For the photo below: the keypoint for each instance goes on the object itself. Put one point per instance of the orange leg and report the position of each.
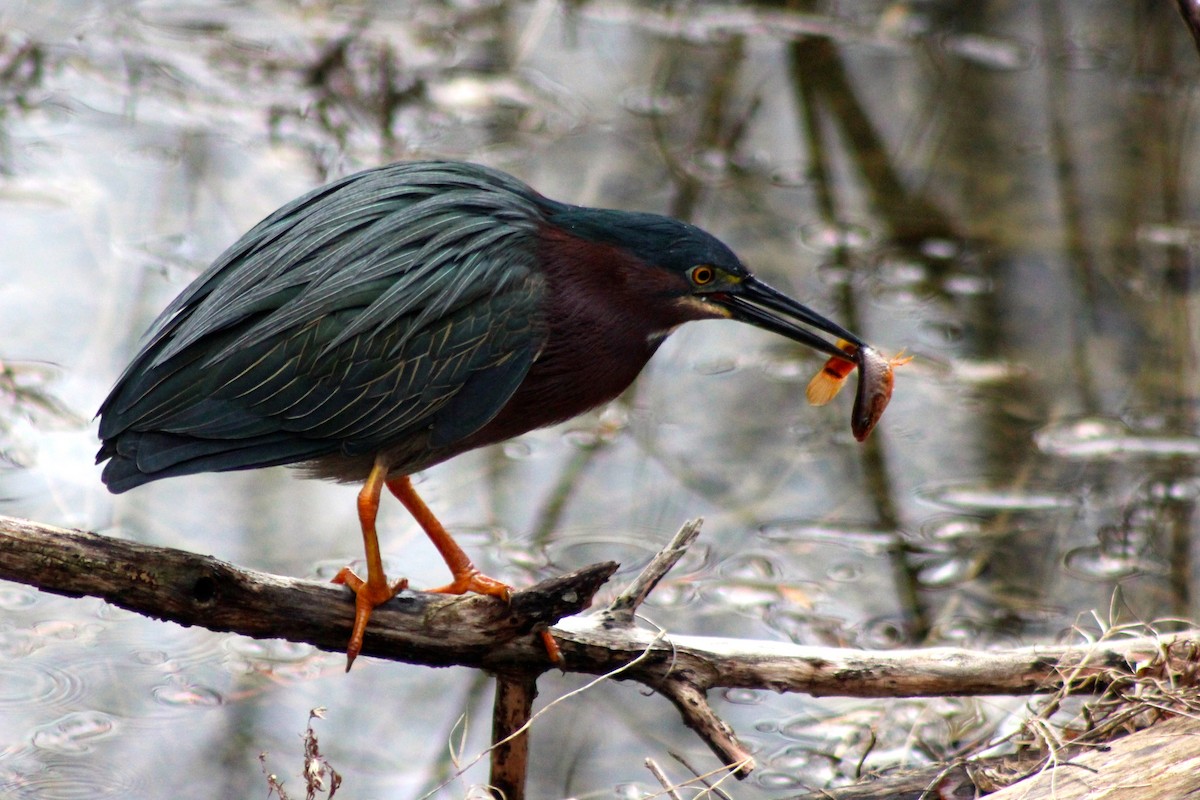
(375, 590)
(466, 576)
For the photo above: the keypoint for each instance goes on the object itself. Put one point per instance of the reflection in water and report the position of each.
(976, 497)
(74, 732)
(1002, 189)
(1093, 439)
(182, 695)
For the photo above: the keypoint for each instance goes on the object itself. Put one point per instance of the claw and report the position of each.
(367, 595)
(553, 651)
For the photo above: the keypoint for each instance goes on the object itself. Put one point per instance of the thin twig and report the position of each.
(717, 734)
(621, 610)
(661, 777)
(709, 787)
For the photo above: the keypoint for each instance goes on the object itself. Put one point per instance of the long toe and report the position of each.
(367, 595)
(472, 580)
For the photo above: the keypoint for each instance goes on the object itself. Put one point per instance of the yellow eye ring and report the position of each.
(703, 275)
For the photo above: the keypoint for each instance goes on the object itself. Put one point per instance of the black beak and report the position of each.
(757, 303)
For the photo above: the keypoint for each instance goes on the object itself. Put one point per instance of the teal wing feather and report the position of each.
(398, 301)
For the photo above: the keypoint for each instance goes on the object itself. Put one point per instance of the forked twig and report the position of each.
(621, 610)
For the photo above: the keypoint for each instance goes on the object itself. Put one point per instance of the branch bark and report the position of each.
(711, 662)
(484, 632)
(478, 631)
(191, 589)
(512, 710)
(1158, 762)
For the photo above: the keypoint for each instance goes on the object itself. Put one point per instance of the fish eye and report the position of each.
(702, 275)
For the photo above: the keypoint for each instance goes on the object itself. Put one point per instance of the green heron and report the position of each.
(409, 313)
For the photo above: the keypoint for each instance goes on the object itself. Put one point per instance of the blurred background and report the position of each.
(1006, 190)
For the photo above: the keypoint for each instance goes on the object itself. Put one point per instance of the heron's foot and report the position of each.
(367, 595)
(472, 580)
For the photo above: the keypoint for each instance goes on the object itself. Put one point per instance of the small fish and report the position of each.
(875, 383)
(825, 385)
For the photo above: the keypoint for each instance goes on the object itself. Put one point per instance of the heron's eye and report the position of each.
(702, 275)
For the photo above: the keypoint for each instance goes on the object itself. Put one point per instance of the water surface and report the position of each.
(1006, 191)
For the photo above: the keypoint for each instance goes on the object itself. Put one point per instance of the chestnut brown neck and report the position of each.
(606, 312)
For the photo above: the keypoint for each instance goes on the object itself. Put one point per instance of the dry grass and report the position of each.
(320, 778)
(1067, 722)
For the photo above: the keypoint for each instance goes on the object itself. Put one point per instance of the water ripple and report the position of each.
(179, 695)
(743, 697)
(282, 660)
(953, 530)
(1121, 552)
(848, 534)
(844, 572)
(583, 548)
(952, 571)
(978, 496)
(775, 781)
(649, 101)
(28, 684)
(70, 780)
(739, 596)
(673, 594)
(1175, 489)
(276, 651)
(811, 762)
(1098, 438)
(74, 732)
(830, 237)
(1095, 564)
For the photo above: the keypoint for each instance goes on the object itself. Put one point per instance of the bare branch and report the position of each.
(712, 662)
(190, 589)
(484, 632)
(510, 716)
(477, 631)
(621, 610)
(661, 776)
(717, 734)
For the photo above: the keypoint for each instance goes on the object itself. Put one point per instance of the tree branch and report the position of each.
(484, 632)
(712, 662)
(621, 610)
(190, 589)
(478, 631)
(512, 710)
